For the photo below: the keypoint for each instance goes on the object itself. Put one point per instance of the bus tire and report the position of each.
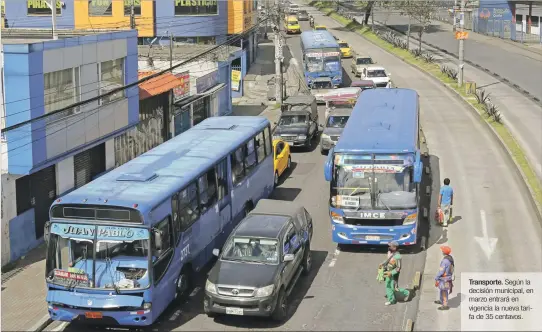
(281, 308)
(183, 284)
(248, 207)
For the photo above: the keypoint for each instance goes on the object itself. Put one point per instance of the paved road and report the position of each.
(462, 149)
(522, 68)
(342, 286)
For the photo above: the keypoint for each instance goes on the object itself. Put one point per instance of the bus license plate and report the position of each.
(93, 315)
(234, 311)
(372, 238)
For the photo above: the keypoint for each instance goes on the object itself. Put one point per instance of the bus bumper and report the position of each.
(350, 234)
(109, 318)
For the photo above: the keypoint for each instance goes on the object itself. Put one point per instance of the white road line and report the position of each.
(60, 327)
(176, 314)
(40, 323)
(195, 291)
(334, 259)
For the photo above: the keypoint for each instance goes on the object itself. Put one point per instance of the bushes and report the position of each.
(398, 42)
(451, 73)
(491, 111)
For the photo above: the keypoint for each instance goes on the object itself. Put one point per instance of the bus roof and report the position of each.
(157, 174)
(383, 121)
(318, 39)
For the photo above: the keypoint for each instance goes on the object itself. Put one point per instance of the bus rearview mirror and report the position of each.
(328, 166)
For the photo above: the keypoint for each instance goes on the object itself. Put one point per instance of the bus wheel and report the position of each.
(184, 281)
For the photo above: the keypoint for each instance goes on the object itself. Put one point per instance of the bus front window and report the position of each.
(69, 261)
(395, 190)
(352, 188)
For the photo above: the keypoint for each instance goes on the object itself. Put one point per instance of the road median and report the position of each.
(426, 65)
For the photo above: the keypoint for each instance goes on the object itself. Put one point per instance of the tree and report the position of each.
(421, 11)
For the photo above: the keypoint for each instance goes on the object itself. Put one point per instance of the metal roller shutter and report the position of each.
(43, 184)
(82, 168)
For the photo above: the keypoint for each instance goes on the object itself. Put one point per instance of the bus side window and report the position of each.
(268, 140)
(250, 158)
(161, 255)
(237, 165)
(176, 217)
(207, 190)
(188, 206)
(260, 146)
(222, 178)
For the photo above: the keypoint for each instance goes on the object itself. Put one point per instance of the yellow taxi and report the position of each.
(292, 25)
(320, 28)
(283, 160)
(346, 52)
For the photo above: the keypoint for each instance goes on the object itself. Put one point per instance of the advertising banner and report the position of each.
(206, 82)
(39, 7)
(196, 7)
(235, 80)
(183, 90)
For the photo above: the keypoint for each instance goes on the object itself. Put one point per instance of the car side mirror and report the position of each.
(288, 257)
(216, 252)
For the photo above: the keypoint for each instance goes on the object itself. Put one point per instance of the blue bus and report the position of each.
(375, 170)
(321, 57)
(123, 247)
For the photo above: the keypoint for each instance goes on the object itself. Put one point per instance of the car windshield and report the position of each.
(292, 22)
(376, 73)
(364, 61)
(303, 12)
(292, 120)
(121, 262)
(322, 85)
(251, 249)
(337, 121)
(340, 104)
(343, 45)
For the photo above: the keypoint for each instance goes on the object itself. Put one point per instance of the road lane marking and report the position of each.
(195, 291)
(175, 315)
(60, 327)
(488, 244)
(334, 259)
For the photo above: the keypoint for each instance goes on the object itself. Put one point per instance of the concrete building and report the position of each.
(54, 154)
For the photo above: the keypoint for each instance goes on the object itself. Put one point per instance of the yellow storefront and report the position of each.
(115, 14)
(240, 16)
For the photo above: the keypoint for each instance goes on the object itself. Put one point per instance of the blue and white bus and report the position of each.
(321, 57)
(375, 170)
(124, 246)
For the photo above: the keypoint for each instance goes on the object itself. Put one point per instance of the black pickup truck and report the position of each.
(261, 262)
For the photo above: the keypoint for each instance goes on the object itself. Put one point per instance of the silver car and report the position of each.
(333, 129)
(320, 87)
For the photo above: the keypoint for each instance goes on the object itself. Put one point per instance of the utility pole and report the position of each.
(461, 43)
(171, 51)
(278, 55)
(455, 15)
(52, 4)
(132, 16)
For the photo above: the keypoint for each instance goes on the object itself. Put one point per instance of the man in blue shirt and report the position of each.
(446, 200)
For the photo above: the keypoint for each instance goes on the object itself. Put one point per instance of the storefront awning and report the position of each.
(214, 89)
(189, 100)
(157, 85)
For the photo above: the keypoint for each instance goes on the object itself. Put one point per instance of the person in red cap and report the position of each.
(445, 277)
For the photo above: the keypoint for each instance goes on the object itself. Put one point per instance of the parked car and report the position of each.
(359, 62)
(298, 127)
(378, 75)
(302, 15)
(333, 128)
(261, 262)
(283, 160)
(320, 87)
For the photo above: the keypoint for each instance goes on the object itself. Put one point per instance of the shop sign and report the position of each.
(128, 7)
(183, 90)
(235, 80)
(39, 7)
(206, 82)
(100, 7)
(196, 7)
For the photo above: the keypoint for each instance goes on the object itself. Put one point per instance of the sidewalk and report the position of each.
(23, 294)
(520, 114)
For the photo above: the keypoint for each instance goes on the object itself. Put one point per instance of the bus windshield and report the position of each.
(104, 257)
(323, 59)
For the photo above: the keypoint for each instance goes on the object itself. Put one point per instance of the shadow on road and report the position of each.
(347, 81)
(265, 62)
(248, 110)
(10, 270)
(428, 227)
(285, 194)
(288, 172)
(295, 298)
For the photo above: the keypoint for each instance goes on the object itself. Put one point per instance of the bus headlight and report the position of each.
(147, 305)
(335, 78)
(411, 219)
(264, 291)
(337, 218)
(210, 287)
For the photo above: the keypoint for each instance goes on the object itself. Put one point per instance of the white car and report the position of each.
(378, 75)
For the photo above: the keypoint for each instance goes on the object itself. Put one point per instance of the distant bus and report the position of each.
(124, 246)
(321, 56)
(374, 170)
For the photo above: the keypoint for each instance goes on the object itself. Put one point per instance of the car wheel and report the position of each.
(276, 180)
(281, 309)
(184, 282)
(307, 261)
(289, 162)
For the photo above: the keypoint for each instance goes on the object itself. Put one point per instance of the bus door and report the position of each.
(224, 204)
(209, 213)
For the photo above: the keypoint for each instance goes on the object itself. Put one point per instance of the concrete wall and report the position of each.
(37, 145)
(8, 212)
(17, 16)
(190, 25)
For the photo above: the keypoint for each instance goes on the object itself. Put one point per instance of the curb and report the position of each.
(519, 171)
(409, 326)
(40, 326)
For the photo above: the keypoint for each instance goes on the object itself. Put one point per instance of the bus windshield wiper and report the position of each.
(381, 201)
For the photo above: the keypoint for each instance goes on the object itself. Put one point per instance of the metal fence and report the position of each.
(503, 28)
